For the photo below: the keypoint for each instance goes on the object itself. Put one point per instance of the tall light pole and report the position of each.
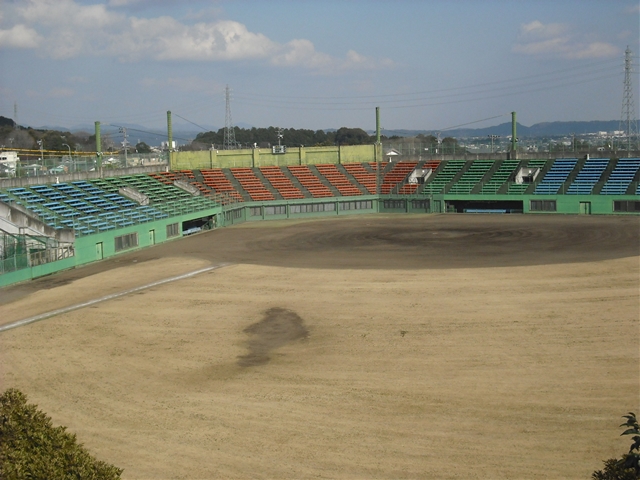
(70, 159)
(493, 137)
(40, 143)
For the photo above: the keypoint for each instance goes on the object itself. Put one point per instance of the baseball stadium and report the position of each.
(329, 312)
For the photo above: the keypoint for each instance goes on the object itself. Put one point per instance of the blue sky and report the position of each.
(428, 64)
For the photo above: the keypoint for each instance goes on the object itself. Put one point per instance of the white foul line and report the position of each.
(77, 306)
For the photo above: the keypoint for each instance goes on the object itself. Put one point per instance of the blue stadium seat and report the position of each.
(588, 177)
(621, 177)
(556, 176)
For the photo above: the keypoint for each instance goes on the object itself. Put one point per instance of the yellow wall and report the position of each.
(262, 157)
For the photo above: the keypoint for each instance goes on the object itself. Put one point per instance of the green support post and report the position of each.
(169, 137)
(98, 147)
(514, 138)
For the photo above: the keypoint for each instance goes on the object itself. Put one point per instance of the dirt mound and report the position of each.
(277, 328)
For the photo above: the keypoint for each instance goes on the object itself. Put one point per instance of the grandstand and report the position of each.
(621, 177)
(587, 178)
(556, 176)
(106, 215)
(444, 176)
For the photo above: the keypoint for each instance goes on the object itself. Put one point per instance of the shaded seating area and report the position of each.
(83, 206)
(94, 206)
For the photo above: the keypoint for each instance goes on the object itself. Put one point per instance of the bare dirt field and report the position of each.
(415, 346)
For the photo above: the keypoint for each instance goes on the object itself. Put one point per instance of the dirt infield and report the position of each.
(426, 346)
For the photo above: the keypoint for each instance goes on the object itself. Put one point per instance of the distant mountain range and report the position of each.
(184, 134)
(544, 129)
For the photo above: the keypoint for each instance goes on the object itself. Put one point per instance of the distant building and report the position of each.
(9, 159)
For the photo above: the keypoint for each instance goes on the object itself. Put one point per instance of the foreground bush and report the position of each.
(628, 466)
(31, 447)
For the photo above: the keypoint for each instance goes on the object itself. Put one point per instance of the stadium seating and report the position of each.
(588, 176)
(500, 177)
(94, 206)
(338, 180)
(438, 183)
(472, 176)
(309, 181)
(362, 176)
(218, 182)
(621, 177)
(520, 188)
(281, 183)
(252, 184)
(394, 178)
(556, 176)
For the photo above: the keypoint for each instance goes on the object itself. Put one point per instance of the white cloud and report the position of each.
(224, 40)
(121, 3)
(65, 29)
(596, 50)
(537, 29)
(557, 40)
(19, 36)
(301, 52)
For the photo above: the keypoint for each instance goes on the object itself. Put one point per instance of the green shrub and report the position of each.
(32, 448)
(628, 466)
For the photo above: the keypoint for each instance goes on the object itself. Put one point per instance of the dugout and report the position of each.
(198, 224)
(484, 206)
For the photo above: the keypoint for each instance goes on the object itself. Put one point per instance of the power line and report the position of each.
(501, 94)
(475, 121)
(572, 70)
(160, 134)
(192, 123)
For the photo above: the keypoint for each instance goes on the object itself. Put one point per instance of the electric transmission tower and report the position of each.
(229, 132)
(628, 120)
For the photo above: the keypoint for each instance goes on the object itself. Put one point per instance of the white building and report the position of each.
(9, 160)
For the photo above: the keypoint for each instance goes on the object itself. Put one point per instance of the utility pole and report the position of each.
(123, 131)
(628, 120)
(493, 137)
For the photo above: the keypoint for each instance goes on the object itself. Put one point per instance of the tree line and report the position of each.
(265, 137)
(13, 136)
